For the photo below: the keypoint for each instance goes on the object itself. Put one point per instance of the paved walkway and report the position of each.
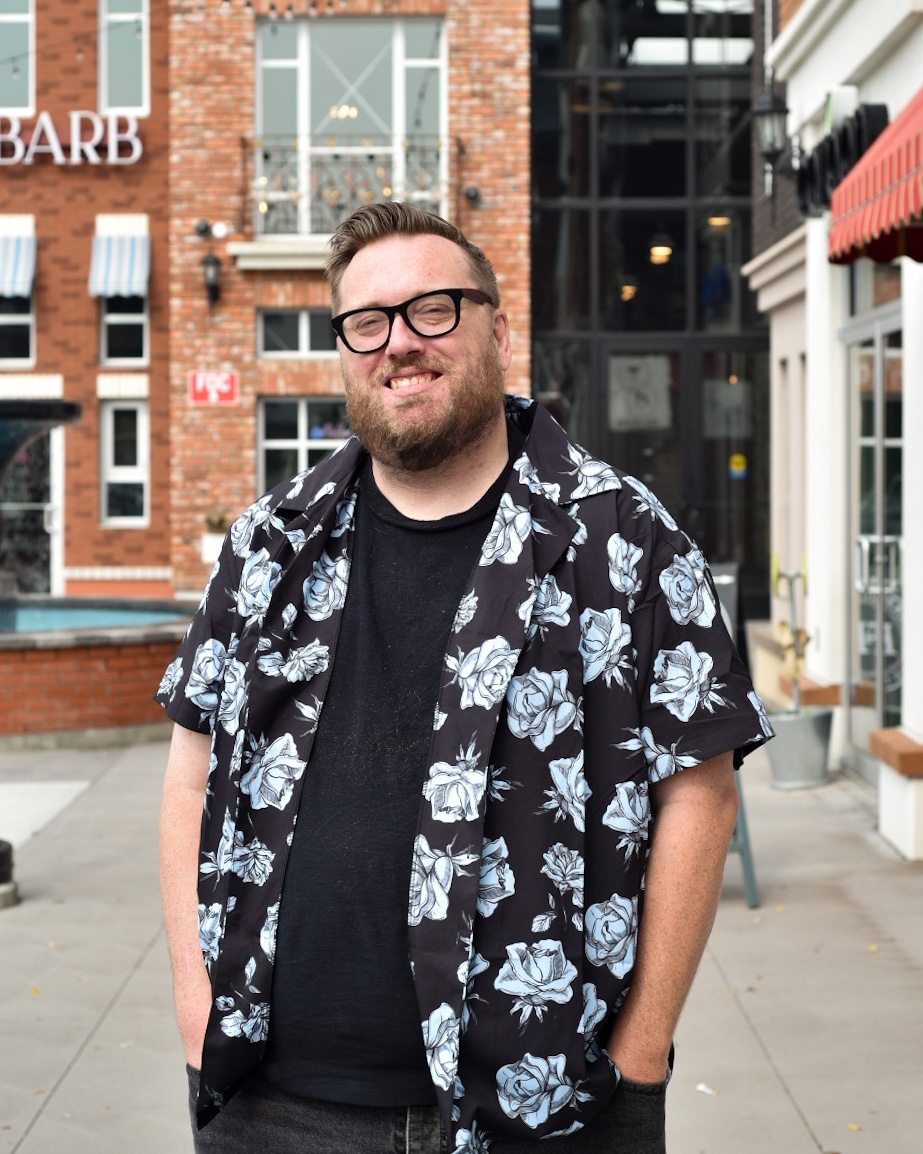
(802, 1034)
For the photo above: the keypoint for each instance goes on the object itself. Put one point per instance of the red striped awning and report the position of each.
(877, 209)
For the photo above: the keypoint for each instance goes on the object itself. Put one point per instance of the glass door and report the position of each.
(876, 594)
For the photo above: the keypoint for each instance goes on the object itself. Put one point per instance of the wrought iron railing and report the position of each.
(310, 184)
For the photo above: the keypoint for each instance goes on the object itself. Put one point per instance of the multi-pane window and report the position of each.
(295, 332)
(124, 464)
(296, 433)
(17, 52)
(17, 327)
(123, 330)
(349, 111)
(123, 56)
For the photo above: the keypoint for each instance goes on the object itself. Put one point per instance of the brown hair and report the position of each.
(375, 222)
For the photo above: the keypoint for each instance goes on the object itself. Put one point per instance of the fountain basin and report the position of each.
(66, 681)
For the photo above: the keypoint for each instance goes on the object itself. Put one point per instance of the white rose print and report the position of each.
(580, 537)
(540, 706)
(594, 1010)
(682, 681)
(535, 1088)
(274, 769)
(210, 931)
(483, 673)
(471, 1141)
(603, 639)
(259, 577)
(757, 703)
(511, 528)
(647, 503)
(530, 478)
(623, 567)
(253, 862)
(289, 613)
(467, 608)
(431, 878)
(535, 975)
(546, 606)
(268, 932)
(440, 1037)
(325, 590)
(467, 972)
(219, 862)
(253, 1026)
(243, 528)
(629, 813)
(687, 591)
(204, 684)
(611, 929)
(569, 792)
(564, 869)
(497, 881)
(345, 513)
(661, 760)
(173, 674)
(233, 695)
(301, 664)
(455, 791)
(592, 476)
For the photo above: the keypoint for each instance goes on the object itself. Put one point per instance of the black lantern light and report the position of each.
(211, 275)
(769, 116)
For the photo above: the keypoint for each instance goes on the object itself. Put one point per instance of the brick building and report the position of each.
(280, 120)
(84, 178)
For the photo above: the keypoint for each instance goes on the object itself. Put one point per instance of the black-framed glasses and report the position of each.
(433, 314)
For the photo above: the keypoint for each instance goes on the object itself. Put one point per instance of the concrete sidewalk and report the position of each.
(802, 1034)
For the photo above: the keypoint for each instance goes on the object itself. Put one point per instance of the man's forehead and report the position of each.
(397, 267)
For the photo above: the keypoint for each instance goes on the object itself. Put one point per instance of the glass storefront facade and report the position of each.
(648, 345)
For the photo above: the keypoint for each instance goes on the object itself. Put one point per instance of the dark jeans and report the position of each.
(260, 1119)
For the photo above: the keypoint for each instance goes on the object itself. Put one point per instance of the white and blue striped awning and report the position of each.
(17, 265)
(120, 266)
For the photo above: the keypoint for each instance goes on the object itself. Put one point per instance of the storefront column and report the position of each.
(912, 561)
(826, 462)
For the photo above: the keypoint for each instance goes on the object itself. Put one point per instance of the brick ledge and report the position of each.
(895, 748)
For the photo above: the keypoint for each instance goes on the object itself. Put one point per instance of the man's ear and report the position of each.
(502, 337)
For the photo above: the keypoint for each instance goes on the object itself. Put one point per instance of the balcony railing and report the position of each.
(310, 184)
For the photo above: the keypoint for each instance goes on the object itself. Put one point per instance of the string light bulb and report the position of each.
(273, 13)
(288, 14)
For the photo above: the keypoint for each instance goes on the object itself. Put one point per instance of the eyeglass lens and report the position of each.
(429, 316)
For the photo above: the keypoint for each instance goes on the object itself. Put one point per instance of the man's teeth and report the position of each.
(403, 382)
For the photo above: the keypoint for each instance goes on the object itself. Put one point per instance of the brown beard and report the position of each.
(427, 440)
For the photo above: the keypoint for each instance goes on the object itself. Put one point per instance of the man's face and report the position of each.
(421, 400)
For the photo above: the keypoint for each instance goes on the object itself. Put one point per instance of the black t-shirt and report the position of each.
(344, 1022)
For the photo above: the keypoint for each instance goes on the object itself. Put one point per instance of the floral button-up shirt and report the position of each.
(588, 659)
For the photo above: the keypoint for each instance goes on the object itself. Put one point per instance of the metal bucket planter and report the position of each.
(798, 754)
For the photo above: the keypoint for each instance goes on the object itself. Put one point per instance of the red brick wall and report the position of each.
(65, 200)
(87, 687)
(211, 109)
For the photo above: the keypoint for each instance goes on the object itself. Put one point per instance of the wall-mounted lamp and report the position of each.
(661, 248)
(211, 275)
(769, 118)
(628, 289)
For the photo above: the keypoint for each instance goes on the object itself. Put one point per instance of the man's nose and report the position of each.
(403, 339)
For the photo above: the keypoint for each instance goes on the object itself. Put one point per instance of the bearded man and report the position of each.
(463, 714)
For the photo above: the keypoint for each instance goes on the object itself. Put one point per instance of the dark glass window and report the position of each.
(723, 32)
(125, 499)
(124, 324)
(280, 420)
(642, 137)
(724, 299)
(561, 269)
(642, 270)
(125, 437)
(321, 337)
(722, 136)
(15, 334)
(561, 382)
(560, 137)
(294, 332)
(280, 332)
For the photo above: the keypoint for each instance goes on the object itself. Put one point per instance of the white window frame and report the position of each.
(302, 443)
(106, 319)
(21, 319)
(110, 473)
(106, 21)
(304, 352)
(28, 62)
(400, 63)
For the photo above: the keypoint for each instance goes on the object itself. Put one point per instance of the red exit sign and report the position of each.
(214, 387)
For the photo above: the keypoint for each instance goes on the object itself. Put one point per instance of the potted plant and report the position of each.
(799, 754)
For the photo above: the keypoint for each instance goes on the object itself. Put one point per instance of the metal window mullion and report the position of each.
(304, 332)
(302, 434)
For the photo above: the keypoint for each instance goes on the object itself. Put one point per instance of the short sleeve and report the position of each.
(695, 695)
(191, 687)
